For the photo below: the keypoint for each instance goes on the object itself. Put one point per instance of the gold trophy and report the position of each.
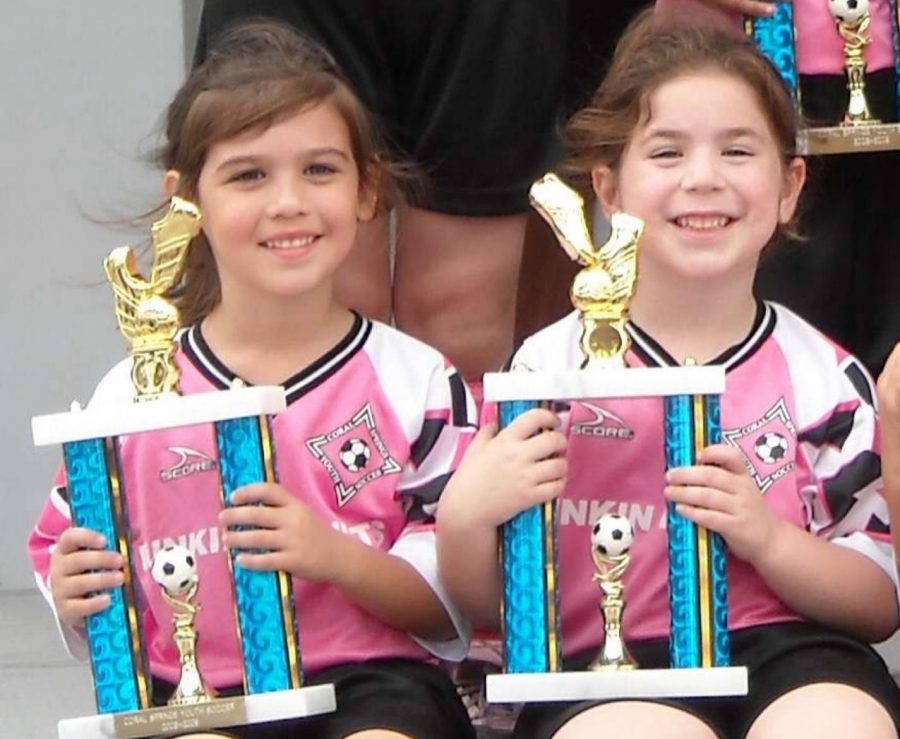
(611, 540)
(175, 571)
(532, 638)
(147, 320)
(853, 26)
(601, 291)
(98, 499)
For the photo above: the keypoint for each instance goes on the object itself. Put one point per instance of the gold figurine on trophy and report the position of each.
(146, 318)
(175, 571)
(852, 21)
(600, 291)
(611, 540)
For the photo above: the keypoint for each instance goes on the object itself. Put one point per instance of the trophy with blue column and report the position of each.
(532, 639)
(853, 126)
(263, 601)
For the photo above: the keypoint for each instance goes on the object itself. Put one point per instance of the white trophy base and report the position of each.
(253, 709)
(687, 682)
(166, 412)
(633, 382)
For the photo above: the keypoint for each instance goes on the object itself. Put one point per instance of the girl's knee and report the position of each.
(824, 710)
(635, 719)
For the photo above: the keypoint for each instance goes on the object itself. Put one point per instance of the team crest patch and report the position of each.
(769, 445)
(353, 454)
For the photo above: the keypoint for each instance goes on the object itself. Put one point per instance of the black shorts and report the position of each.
(414, 698)
(468, 89)
(779, 658)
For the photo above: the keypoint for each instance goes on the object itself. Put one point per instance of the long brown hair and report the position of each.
(655, 48)
(255, 74)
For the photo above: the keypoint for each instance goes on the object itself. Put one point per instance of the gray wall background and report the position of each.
(83, 86)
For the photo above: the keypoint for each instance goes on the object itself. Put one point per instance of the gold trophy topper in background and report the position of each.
(147, 320)
(601, 291)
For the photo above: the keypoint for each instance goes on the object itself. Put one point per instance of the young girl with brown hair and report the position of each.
(693, 131)
(284, 164)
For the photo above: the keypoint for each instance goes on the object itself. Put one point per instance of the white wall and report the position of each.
(83, 86)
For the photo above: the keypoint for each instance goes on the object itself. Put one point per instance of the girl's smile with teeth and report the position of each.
(294, 243)
(702, 223)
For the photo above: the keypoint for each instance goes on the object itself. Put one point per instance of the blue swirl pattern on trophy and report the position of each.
(775, 37)
(687, 594)
(259, 602)
(530, 634)
(718, 553)
(114, 663)
(684, 630)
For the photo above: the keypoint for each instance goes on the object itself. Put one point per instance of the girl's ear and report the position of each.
(606, 188)
(170, 183)
(367, 207)
(794, 177)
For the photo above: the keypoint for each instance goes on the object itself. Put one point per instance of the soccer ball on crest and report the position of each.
(612, 535)
(175, 569)
(770, 447)
(354, 454)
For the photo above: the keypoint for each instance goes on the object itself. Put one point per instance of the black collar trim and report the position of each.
(653, 354)
(201, 355)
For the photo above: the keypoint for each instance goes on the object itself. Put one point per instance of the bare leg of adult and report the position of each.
(364, 279)
(635, 719)
(824, 711)
(455, 284)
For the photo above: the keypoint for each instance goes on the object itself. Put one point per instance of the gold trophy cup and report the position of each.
(611, 540)
(853, 26)
(175, 571)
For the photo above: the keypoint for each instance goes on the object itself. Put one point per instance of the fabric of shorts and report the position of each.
(413, 698)
(470, 90)
(779, 658)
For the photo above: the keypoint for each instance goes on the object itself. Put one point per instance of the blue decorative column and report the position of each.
(775, 38)
(264, 600)
(530, 612)
(698, 578)
(115, 644)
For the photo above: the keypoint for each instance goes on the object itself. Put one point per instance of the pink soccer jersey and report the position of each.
(370, 436)
(798, 407)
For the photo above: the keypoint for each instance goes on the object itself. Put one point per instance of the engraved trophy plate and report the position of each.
(98, 499)
(531, 636)
(857, 129)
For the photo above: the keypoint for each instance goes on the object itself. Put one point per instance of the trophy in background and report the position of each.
(856, 128)
(528, 546)
(263, 601)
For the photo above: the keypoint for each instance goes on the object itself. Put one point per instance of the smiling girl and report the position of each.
(693, 131)
(284, 165)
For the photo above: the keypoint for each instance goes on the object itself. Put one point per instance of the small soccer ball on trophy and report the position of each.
(175, 570)
(611, 540)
